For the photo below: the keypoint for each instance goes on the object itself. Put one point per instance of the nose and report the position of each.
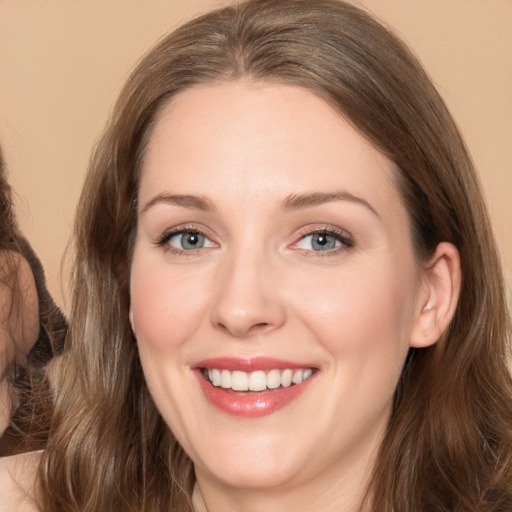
(248, 300)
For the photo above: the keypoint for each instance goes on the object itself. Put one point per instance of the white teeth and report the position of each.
(297, 376)
(273, 379)
(239, 381)
(258, 380)
(225, 379)
(214, 376)
(286, 378)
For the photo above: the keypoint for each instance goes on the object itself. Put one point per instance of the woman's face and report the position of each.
(19, 308)
(272, 252)
(19, 320)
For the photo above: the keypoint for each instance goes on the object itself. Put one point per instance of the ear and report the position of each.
(437, 301)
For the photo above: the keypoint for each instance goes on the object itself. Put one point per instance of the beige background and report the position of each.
(62, 63)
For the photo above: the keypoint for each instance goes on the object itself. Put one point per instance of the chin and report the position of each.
(253, 474)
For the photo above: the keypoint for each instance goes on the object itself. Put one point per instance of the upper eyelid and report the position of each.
(164, 236)
(345, 238)
(311, 230)
(186, 228)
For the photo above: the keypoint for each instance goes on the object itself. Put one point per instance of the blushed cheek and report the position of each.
(357, 316)
(159, 330)
(166, 307)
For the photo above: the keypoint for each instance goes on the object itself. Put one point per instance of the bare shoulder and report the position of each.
(17, 481)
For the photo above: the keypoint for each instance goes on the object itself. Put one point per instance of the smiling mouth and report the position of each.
(258, 380)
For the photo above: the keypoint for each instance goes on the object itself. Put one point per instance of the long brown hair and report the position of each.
(28, 423)
(449, 442)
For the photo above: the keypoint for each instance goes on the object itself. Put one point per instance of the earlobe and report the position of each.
(437, 302)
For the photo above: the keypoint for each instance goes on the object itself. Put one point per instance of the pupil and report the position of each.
(192, 240)
(323, 242)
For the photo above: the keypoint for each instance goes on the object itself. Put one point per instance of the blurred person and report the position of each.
(32, 329)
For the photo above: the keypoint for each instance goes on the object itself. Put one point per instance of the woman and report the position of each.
(32, 329)
(286, 291)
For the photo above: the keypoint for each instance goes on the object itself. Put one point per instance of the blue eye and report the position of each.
(187, 240)
(322, 241)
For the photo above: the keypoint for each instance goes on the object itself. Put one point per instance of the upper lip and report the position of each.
(249, 364)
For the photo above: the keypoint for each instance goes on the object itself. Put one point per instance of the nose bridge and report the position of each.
(247, 300)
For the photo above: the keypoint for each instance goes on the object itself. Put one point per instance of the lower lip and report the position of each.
(252, 404)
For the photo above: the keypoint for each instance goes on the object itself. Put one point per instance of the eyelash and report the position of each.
(345, 240)
(163, 240)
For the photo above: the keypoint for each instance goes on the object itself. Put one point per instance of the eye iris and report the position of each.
(323, 242)
(192, 240)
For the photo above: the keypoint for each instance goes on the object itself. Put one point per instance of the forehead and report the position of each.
(258, 139)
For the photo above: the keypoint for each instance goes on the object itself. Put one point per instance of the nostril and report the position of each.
(245, 330)
(262, 324)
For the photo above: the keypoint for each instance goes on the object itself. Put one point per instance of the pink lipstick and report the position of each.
(252, 388)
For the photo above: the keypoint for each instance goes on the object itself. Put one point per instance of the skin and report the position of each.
(258, 288)
(19, 320)
(17, 477)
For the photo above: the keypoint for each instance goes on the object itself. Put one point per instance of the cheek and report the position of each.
(166, 306)
(362, 320)
(363, 313)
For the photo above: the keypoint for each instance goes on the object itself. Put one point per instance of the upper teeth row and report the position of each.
(257, 381)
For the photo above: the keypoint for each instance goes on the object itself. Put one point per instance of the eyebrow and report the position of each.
(300, 201)
(183, 200)
(291, 203)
